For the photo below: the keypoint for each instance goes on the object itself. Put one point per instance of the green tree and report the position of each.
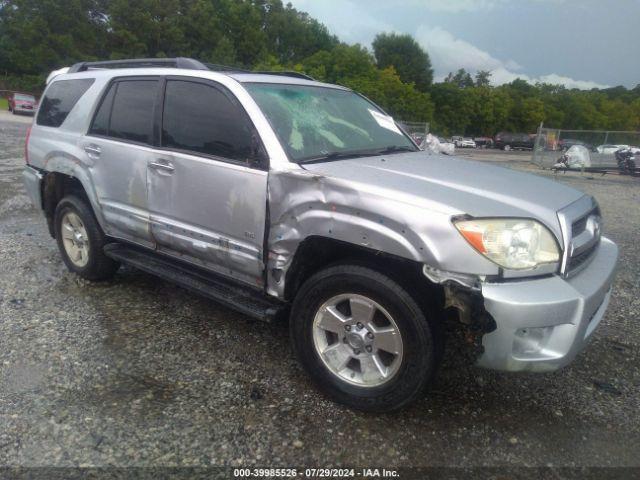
(453, 108)
(462, 79)
(145, 28)
(40, 35)
(490, 109)
(293, 35)
(402, 100)
(344, 61)
(410, 61)
(483, 78)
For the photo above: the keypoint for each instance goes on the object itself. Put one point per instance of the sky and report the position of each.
(577, 43)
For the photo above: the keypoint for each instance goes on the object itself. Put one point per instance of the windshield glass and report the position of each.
(25, 98)
(319, 123)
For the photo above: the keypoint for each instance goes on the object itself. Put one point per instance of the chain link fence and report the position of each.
(417, 130)
(595, 148)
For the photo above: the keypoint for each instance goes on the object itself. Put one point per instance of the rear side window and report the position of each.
(60, 98)
(201, 118)
(132, 111)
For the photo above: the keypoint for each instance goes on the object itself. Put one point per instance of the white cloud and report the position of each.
(449, 53)
(353, 24)
(358, 21)
(503, 75)
(457, 6)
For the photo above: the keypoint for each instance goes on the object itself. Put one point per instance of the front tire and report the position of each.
(81, 240)
(363, 339)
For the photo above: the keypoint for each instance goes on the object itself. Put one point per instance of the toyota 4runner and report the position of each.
(278, 195)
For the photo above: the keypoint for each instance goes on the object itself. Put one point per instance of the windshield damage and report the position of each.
(317, 124)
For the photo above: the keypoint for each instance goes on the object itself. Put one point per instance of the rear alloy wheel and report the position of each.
(506, 148)
(81, 240)
(75, 239)
(363, 338)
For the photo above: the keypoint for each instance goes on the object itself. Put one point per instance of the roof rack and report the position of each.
(178, 62)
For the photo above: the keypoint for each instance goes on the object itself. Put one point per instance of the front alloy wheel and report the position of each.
(363, 338)
(358, 340)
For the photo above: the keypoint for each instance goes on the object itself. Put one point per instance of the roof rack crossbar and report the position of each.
(287, 74)
(216, 67)
(178, 62)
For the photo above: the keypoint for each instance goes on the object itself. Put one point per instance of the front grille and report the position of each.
(577, 260)
(580, 223)
(579, 226)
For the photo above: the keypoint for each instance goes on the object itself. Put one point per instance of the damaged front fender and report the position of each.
(303, 204)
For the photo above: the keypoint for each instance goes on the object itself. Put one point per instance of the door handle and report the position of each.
(166, 167)
(93, 150)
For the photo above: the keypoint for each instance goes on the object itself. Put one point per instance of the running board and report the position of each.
(242, 299)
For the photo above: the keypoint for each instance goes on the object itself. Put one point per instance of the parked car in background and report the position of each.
(565, 144)
(483, 142)
(22, 103)
(465, 143)
(610, 149)
(514, 141)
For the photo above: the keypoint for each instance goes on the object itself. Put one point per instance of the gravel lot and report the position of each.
(137, 372)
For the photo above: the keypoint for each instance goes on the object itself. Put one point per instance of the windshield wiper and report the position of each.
(357, 153)
(395, 149)
(337, 156)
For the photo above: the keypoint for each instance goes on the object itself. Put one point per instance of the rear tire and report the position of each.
(363, 339)
(81, 240)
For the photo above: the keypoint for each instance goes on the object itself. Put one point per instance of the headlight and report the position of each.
(512, 243)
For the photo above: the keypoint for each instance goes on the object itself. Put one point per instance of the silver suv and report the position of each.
(278, 195)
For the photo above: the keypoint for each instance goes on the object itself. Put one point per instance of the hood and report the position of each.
(457, 186)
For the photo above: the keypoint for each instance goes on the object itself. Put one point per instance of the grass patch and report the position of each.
(4, 104)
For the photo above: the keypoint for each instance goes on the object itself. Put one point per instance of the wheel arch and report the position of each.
(57, 185)
(318, 252)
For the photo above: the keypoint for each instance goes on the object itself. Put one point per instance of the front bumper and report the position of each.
(542, 324)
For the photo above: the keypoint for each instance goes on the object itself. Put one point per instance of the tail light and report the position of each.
(26, 145)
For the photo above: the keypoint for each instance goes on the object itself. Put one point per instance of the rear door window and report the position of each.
(132, 111)
(100, 124)
(59, 99)
(201, 118)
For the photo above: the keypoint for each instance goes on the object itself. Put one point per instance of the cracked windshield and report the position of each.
(319, 123)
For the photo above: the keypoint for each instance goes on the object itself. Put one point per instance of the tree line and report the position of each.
(37, 36)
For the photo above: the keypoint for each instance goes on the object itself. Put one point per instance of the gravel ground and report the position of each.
(137, 372)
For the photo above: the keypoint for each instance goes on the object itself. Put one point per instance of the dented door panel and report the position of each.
(210, 212)
(120, 178)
